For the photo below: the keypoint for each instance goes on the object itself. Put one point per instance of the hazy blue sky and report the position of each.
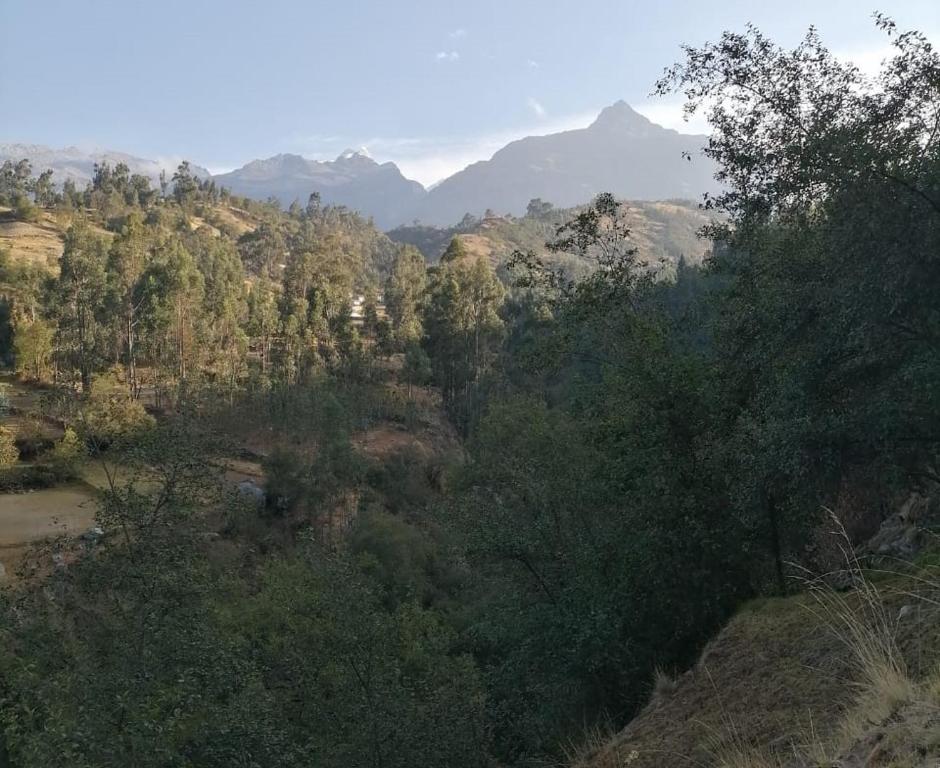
(431, 84)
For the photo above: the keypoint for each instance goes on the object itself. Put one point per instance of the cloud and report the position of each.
(868, 60)
(447, 56)
(457, 34)
(537, 109)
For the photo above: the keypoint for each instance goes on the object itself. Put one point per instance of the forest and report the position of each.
(495, 499)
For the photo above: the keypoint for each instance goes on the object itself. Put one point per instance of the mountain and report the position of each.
(620, 152)
(79, 165)
(354, 179)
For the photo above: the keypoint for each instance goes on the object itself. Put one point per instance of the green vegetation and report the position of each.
(665, 233)
(631, 452)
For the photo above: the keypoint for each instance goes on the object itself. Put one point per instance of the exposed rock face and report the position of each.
(903, 534)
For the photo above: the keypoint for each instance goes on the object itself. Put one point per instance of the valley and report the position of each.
(619, 446)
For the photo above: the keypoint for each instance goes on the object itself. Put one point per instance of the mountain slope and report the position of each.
(79, 165)
(354, 179)
(662, 232)
(620, 152)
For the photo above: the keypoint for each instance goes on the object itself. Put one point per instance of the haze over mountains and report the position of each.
(354, 179)
(621, 152)
(79, 164)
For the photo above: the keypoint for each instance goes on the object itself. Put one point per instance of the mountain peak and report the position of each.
(621, 116)
(355, 154)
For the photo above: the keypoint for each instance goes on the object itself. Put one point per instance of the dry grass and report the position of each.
(864, 624)
(38, 243)
(894, 719)
(729, 754)
(597, 749)
(664, 685)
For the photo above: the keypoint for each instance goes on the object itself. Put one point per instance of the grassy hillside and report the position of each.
(663, 232)
(38, 242)
(817, 679)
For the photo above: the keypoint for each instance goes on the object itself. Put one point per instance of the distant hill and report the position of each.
(663, 233)
(620, 152)
(354, 179)
(79, 165)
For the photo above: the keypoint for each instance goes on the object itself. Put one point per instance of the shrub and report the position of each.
(66, 455)
(111, 414)
(9, 453)
(25, 210)
(26, 478)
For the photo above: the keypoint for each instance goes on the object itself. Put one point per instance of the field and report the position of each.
(39, 243)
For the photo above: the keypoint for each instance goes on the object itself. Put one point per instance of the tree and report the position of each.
(404, 291)
(263, 251)
(263, 318)
(455, 251)
(33, 349)
(43, 190)
(417, 366)
(462, 328)
(80, 288)
(172, 291)
(828, 334)
(127, 259)
(185, 184)
(538, 208)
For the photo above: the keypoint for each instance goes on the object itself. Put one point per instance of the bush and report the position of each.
(111, 414)
(26, 478)
(25, 210)
(66, 455)
(9, 453)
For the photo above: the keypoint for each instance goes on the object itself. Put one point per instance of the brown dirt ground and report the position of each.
(26, 518)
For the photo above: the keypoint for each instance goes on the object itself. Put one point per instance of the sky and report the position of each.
(432, 85)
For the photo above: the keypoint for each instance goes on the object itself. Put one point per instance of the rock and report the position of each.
(251, 490)
(93, 535)
(842, 580)
(915, 508)
(895, 538)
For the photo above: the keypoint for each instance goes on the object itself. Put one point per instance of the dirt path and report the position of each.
(29, 517)
(39, 514)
